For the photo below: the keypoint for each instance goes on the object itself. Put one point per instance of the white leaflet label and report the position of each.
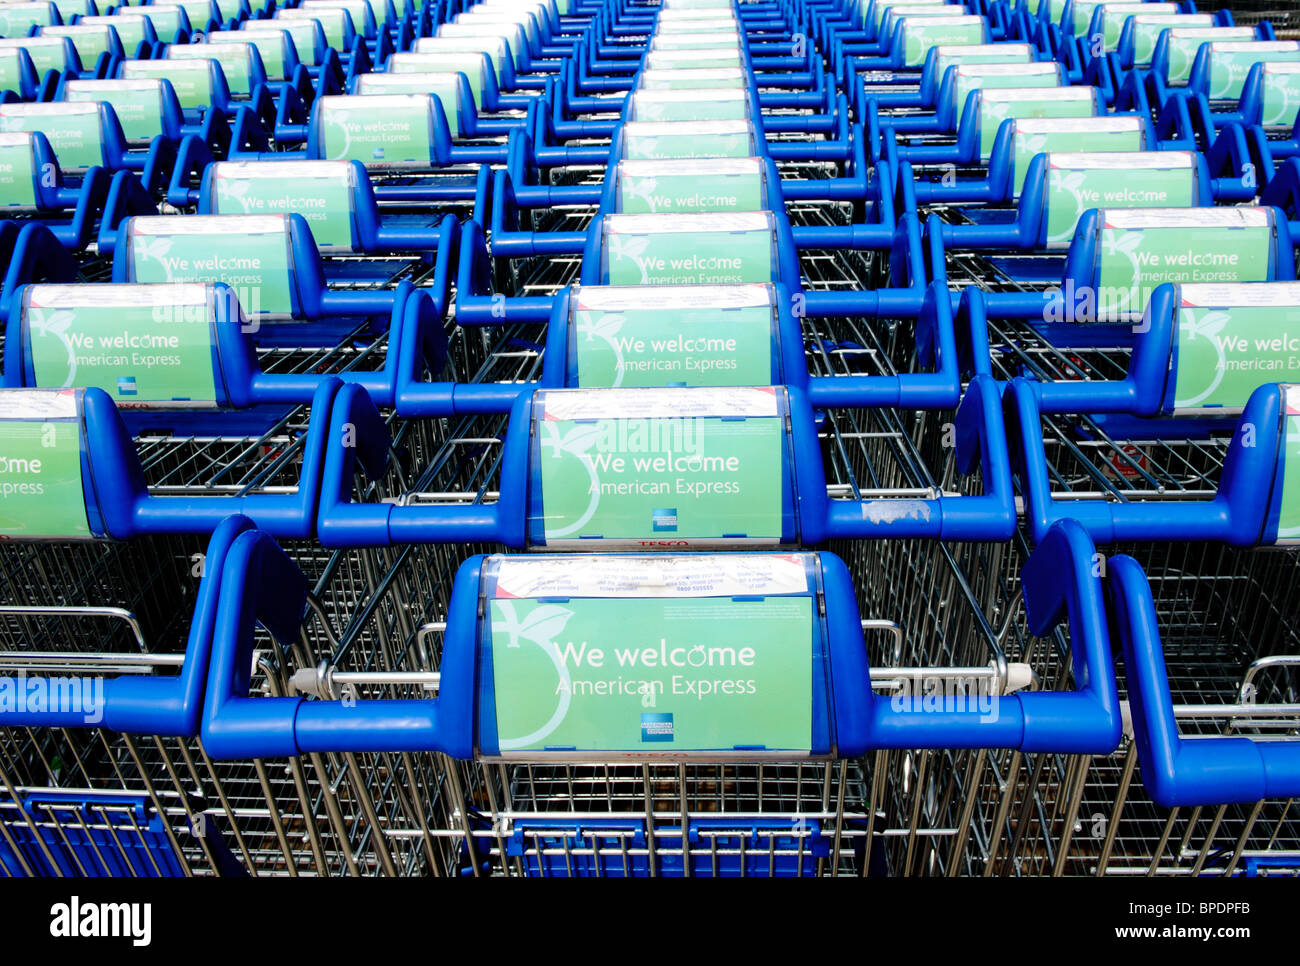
(659, 575)
(1064, 94)
(658, 129)
(1254, 46)
(620, 298)
(1282, 67)
(673, 25)
(975, 51)
(1197, 218)
(1211, 33)
(53, 109)
(690, 166)
(116, 295)
(679, 97)
(662, 224)
(124, 86)
(1063, 125)
(212, 225)
(368, 84)
(1116, 160)
(1253, 294)
(1041, 68)
(282, 170)
(659, 403)
(653, 77)
(38, 403)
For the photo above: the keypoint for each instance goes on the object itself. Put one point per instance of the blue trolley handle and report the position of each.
(1058, 585)
(139, 704)
(260, 584)
(1177, 771)
(980, 441)
(129, 509)
(1142, 390)
(1239, 513)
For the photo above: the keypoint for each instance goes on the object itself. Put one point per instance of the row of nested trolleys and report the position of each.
(898, 389)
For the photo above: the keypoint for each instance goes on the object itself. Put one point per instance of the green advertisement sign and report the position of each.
(693, 41)
(469, 64)
(250, 254)
(719, 184)
(713, 57)
(320, 191)
(41, 494)
(665, 25)
(1184, 42)
(1097, 136)
(664, 140)
(703, 466)
(922, 33)
(996, 105)
(1281, 95)
(881, 9)
(695, 336)
(72, 130)
(1148, 179)
(89, 41)
(1231, 62)
(444, 86)
(381, 130)
(974, 77)
(333, 22)
(191, 79)
(715, 249)
(47, 53)
(17, 172)
(137, 103)
(130, 29)
(1147, 30)
(681, 675)
(199, 12)
(166, 19)
(303, 32)
(494, 47)
(17, 18)
(1114, 15)
(1142, 248)
(946, 56)
(1288, 526)
(728, 104)
(233, 59)
(144, 345)
(10, 71)
(691, 79)
(1231, 339)
(269, 43)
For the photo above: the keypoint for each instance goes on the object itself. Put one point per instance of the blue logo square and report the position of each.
(126, 386)
(664, 521)
(656, 726)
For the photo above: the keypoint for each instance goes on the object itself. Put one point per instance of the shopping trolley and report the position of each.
(1226, 618)
(677, 467)
(100, 635)
(710, 335)
(563, 793)
(1114, 263)
(37, 190)
(131, 791)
